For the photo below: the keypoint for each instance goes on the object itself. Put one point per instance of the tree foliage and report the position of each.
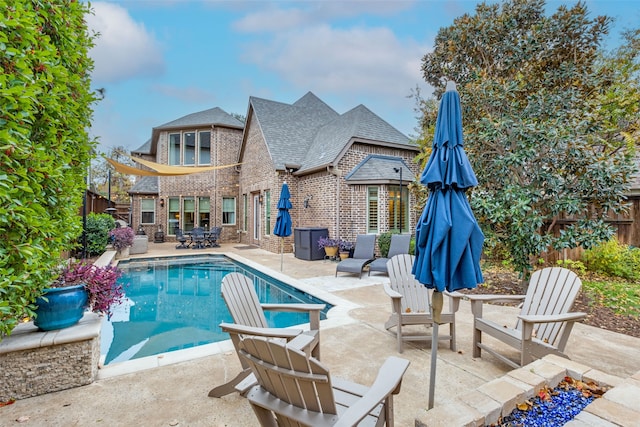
(120, 183)
(548, 120)
(45, 111)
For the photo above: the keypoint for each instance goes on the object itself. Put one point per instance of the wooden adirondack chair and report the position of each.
(294, 390)
(242, 301)
(410, 304)
(544, 323)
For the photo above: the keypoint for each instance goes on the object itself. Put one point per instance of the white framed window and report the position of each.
(372, 210)
(228, 211)
(190, 148)
(398, 210)
(148, 211)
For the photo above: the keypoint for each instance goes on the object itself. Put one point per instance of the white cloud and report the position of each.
(352, 60)
(124, 48)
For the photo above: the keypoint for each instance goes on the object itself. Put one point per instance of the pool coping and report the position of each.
(338, 315)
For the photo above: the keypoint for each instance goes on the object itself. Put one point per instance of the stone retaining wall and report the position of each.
(34, 362)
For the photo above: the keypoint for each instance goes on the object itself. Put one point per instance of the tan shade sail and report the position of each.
(160, 169)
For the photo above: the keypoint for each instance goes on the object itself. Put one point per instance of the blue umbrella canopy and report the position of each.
(283, 221)
(448, 238)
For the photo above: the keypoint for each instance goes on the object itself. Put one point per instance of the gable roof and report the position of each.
(206, 118)
(379, 169)
(145, 185)
(313, 135)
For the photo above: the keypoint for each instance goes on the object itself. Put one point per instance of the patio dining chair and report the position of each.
(197, 235)
(544, 323)
(213, 236)
(182, 239)
(239, 294)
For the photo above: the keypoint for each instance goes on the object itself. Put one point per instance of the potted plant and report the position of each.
(80, 285)
(329, 245)
(121, 240)
(345, 249)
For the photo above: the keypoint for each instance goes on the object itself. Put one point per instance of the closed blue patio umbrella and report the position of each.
(448, 238)
(283, 221)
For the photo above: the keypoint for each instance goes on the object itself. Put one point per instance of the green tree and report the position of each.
(546, 120)
(120, 183)
(45, 111)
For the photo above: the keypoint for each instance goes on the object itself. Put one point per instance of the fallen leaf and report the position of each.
(8, 402)
(23, 419)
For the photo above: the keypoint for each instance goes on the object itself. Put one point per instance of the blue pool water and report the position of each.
(175, 303)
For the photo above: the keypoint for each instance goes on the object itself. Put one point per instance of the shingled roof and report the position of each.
(145, 185)
(313, 135)
(211, 117)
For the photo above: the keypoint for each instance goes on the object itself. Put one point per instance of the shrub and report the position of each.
(384, 242)
(122, 237)
(614, 259)
(45, 100)
(98, 226)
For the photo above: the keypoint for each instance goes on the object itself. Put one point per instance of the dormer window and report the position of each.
(190, 148)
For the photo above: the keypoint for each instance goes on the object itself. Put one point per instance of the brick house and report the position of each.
(343, 172)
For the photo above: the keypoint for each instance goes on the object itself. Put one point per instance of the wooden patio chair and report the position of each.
(363, 254)
(544, 323)
(239, 294)
(400, 244)
(294, 390)
(410, 304)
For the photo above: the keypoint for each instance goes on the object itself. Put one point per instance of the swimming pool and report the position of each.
(174, 303)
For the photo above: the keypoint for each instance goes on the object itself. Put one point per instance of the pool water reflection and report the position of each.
(175, 303)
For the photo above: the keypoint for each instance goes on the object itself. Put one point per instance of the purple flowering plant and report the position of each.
(100, 283)
(121, 237)
(326, 242)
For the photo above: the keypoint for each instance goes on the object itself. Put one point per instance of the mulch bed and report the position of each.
(507, 283)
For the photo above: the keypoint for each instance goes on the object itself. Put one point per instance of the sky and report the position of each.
(159, 60)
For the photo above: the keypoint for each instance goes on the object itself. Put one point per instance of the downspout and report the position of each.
(332, 171)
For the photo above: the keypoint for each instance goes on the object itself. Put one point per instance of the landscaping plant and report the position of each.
(98, 226)
(45, 111)
(100, 283)
(551, 121)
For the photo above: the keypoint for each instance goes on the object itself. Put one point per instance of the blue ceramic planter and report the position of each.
(64, 308)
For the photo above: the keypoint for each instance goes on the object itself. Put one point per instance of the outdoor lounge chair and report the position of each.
(410, 304)
(294, 390)
(240, 296)
(363, 254)
(544, 323)
(399, 245)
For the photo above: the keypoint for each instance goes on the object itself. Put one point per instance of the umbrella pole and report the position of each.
(434, 358)
(436, 312)
(281, 251)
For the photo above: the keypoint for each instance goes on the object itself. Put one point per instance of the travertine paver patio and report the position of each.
(354, 344)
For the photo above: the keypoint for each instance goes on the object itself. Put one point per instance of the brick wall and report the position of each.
(225, 147)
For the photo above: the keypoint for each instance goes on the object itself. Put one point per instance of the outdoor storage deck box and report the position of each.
(306, 243)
